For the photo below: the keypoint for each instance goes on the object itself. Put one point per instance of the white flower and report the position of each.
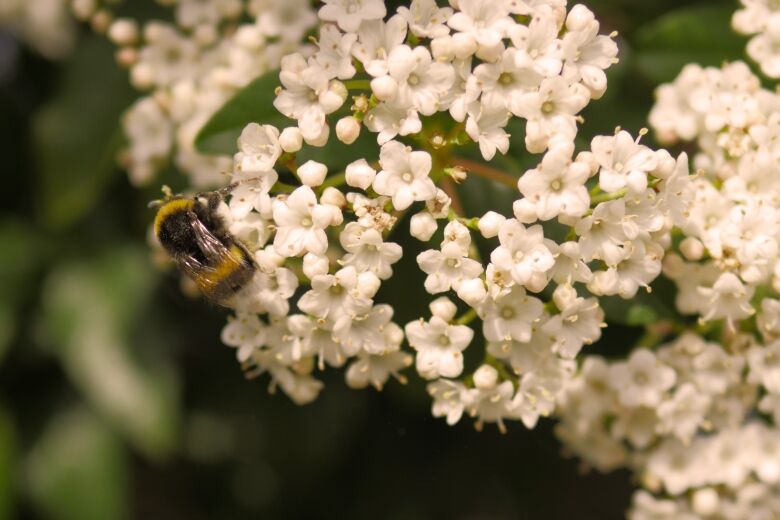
(449, 399)
(539, 48)
(301, 223)
(335, 295)
(640, 266)
(484, 22)
(246, 333)
(335, 52)
(551, 112)
(426, 19)
(510, 316)
(556, 186)
(307, 95)
(404, 175)
(684, 412)
(586, 53)
(316, 339)
(371, 332)
(288, 20)
(375, 41)
(578, 323)
(624, 162)
(391, 119)
(764, 365)
(523, 254)
(642, 380)
(677, 466)
(377, 369)
(486, 127)
(602, 233)
(349, 14)
(501, 84)
(258, 149)
(268, 291)
(728, 298)
(491, 401)
(367, 250)
(447, 268)
(569, 266)
(420, 81)
(150, 135)
(439, 346)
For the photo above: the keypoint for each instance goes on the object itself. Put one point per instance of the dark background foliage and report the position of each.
(117, 399)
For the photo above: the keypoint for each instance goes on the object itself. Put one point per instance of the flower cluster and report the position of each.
(323, 240)
(190, 68)
(696, 418)
(761, 19)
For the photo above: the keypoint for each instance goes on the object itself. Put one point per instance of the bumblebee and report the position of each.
(195, 236)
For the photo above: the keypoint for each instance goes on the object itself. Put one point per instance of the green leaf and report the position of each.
(77, 470)
(641, 315)
(90, 310)
(645, 307)
(700, 34)
(77, 135)
(253, 103)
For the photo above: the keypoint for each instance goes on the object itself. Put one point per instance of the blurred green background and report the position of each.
(117, 399)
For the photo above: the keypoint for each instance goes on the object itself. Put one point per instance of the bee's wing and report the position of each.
(212, 248)
(221, 262)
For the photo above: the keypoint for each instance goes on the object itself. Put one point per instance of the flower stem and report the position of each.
(283, 188)
(485, 171)
(469, 316)
(606, 197)
(333, 180)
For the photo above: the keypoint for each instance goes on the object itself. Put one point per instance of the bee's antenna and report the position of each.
(167, 195)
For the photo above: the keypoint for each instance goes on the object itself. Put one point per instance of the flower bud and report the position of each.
(692, 248)
(314, 265)
(368, 284)
(579, 17)
(347, 129)
(443, 308)
(442, 48)
(485, 377)
(490, 223)
(360, 174)
(123, 31)
(564, 296)
(320, 139)
(291, 139)
(423, 226)
(524, 210)
(339, 89)
(333, 197)
(142, 76)
(666, 164)
(312, 173)
(472, 291)
(705, 502)
(463, 45)
(384, 88)
(250, 37)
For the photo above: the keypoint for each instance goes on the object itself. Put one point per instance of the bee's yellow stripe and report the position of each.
(168, 209)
